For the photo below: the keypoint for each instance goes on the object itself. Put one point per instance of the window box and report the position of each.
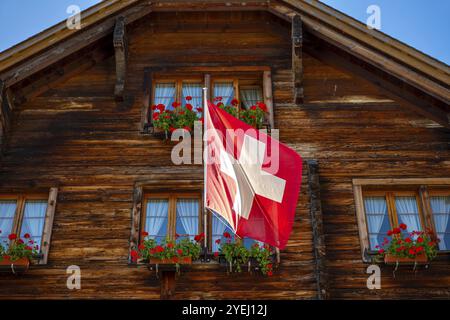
(175, 260)
(419, 259)
(17, 266)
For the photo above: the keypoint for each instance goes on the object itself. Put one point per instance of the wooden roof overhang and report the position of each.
(420, 82)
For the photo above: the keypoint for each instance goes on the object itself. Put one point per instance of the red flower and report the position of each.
(419, 249)
(262, 106)
(20, 241)
(170, 245)
(188, 98)
(226, 235)
(175, 259)
(6, 257)
(172, 129)
(28, 248)
(218, 241)
(381, 251)
(180, 252)
(389, 233)
(408, 240)
(235, 102)
(199, 237)
(396, 231)
(134, 255)
(270, 273)
(30, 241)
(188, 129)
(419, 240)
(166, 117)
(141, 247)
(26, 236)
(189, 106)
(269, 266)
(175, 104)
(159, 249)
(220, 104)
(156, 116)
(144, 233)
(153, 107)
(253, 108)
(12, 236)
(181, 112)
(253, 117)
(218, 99)
(412, 251)
(201, 119)
(402, 226)
(199, 109)
(177, 235)
(216, 254)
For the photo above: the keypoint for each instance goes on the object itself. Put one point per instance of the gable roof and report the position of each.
(392, 56)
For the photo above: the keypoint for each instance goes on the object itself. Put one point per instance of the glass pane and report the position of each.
(408, 213)
(250, 96)
(34, 220)
(193, 90)
(7, 211)
(157, 213)
(440, 206)
(377, 220)
(187, 218)
(165, 94)
(224, 90)
(248, 243)
(219, 226)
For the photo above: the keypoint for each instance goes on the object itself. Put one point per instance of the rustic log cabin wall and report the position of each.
(76, 136)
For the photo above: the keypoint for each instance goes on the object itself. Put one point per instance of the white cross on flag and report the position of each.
(251, 179)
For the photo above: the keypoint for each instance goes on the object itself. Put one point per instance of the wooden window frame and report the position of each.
(421, 188)
(21, 199)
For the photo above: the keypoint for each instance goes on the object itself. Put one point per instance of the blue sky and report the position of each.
(424, 25)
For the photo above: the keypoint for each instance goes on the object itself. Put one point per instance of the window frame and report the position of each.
(21, 198)
(430, 193)
(421, 188)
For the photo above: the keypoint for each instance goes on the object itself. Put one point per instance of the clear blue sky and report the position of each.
(422, 24)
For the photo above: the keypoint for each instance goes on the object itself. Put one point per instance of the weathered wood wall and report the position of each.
(76, 136)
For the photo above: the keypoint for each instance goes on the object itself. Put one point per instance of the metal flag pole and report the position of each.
(205, 154)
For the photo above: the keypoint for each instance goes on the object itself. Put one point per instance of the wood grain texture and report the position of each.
(76, 137)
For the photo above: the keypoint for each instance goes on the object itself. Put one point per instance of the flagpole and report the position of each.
(205, 153)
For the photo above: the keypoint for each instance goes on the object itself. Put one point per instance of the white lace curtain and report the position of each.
(7, 211)
(408, 213)
(34, 220)
(224, 90)
(376, 213)
(218, 228)
(441, 214)
(156, 219)
(187, 217)
(250, 96)
(165, 94)
(193, 90)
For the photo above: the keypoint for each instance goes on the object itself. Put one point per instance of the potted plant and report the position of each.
(253, 116)
(264, 258)
(169, 252)
(16, 255)
(414, 248)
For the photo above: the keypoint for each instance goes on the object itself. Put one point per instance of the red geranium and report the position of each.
(216, 254)
(402, 226)
(180, 252)
(189, 106)
(235, 102)
(134, 255)
(226, 235)
(218, 241)
(396, 230)
(144, 233)
(26, 236)
(188, 98)
(12, 236)
(199, 109)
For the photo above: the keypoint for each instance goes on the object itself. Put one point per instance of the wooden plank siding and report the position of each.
(75, 136)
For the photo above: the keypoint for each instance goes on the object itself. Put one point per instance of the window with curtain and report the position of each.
(34, 220)
(440, 207)
(157, 218)
(165, 94)
(7, 213)
(377, 219)
(408, 213)
(224, 90)
(195, 91)
(187, 220)
(249, 96)
(219, 226)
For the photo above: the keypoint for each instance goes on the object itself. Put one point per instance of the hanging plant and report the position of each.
(253, 116)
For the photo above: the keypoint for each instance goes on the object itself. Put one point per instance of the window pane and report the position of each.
(34, 220)
(440, 206)
(187, 218)
(156, 219)
(219, 226)
(377, 220)
(248, 243)
(250, 96)
(7, 211)
(165, 94)
(408, 213)
(193, 90)
(224, 90)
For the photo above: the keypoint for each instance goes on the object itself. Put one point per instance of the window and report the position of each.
(440, 208)
(167, 215)
(165, 94)
(381, 207)
(30, 213)
(249, 96)
(225, 90)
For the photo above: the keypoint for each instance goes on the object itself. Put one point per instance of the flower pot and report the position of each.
(175, 260)
(16, 266)
(420, 259)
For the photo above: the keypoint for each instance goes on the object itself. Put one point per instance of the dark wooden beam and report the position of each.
(317, 229)
(6, 109)
(121, 52)
(297, 59)
(2, 90)
(404, 94)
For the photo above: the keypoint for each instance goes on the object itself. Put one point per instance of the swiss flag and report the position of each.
(252, 180)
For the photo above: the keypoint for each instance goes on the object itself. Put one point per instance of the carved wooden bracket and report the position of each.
(5, 113)
(297, 59)
(121, 53)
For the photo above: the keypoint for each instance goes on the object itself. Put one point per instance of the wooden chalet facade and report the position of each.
(368, 114)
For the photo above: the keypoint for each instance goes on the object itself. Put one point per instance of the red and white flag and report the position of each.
(251, 180)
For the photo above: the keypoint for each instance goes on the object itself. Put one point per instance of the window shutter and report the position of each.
(268, 99)
(48, 226)
(136, 214)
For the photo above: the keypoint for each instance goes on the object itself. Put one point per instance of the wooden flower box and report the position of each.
(420, 259)
(181, 260)
(16, 266)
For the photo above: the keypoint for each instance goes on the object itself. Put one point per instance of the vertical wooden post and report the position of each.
(317, 228)
(2, 89)
(146, 112)
(168, 284)
(297, 58)
(136, 214)
(268, 97)
(121, 51)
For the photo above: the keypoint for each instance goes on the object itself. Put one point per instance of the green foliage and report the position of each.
(262, 254)
(235, 254)
(19, 248)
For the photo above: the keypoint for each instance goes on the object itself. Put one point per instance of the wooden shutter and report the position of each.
(48, 226)
(136, 214)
